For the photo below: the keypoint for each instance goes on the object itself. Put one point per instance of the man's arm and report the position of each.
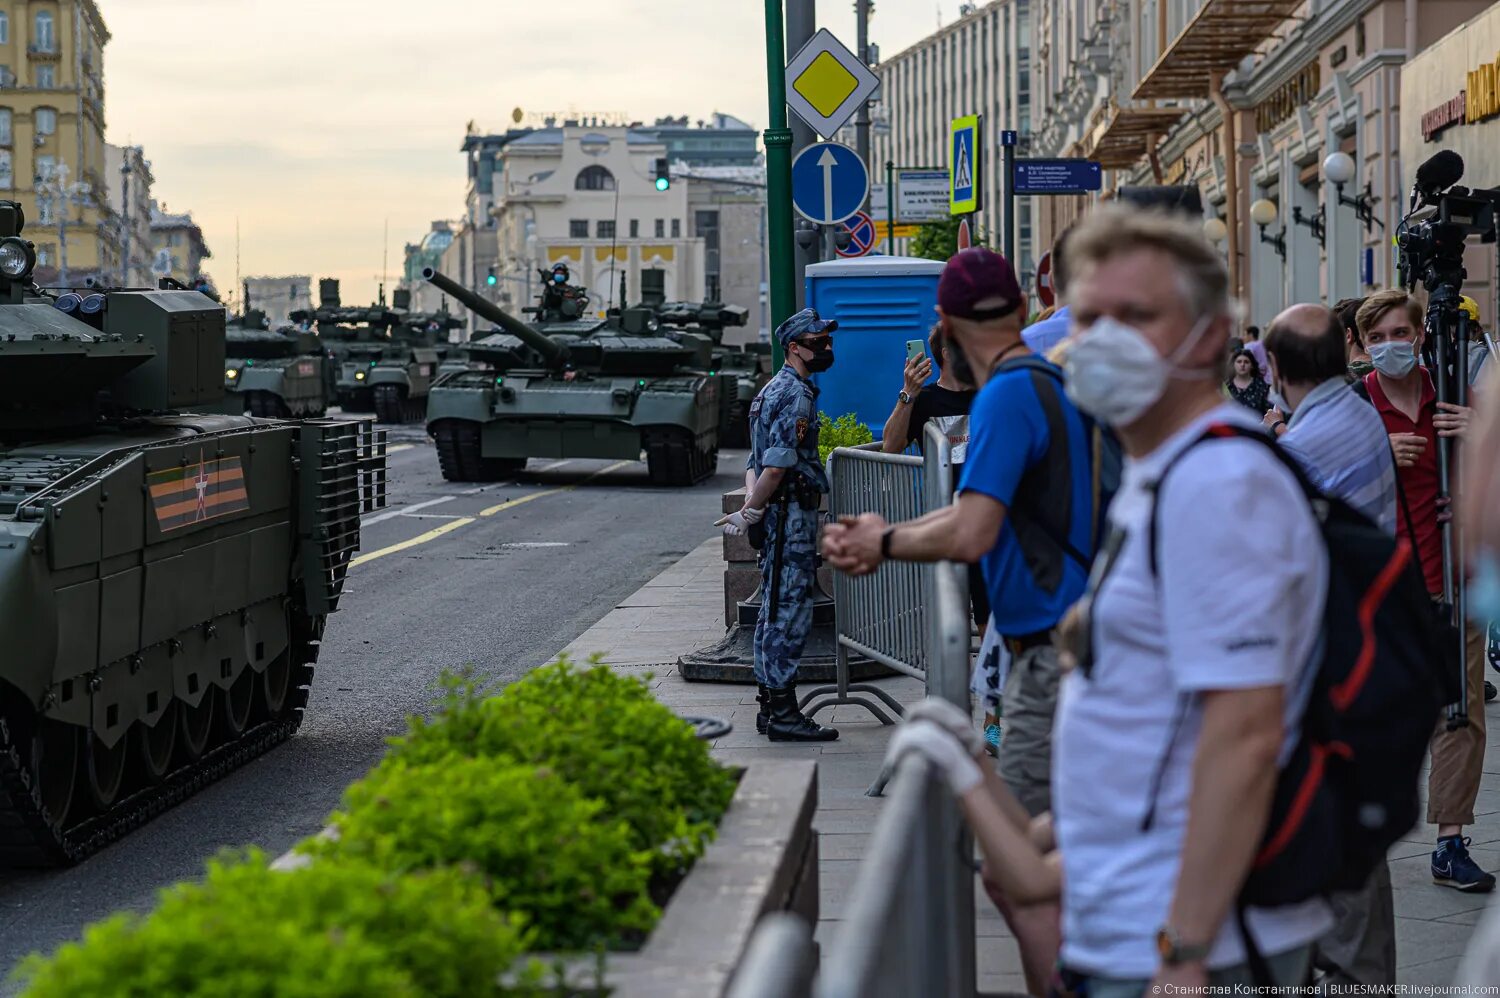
(766, 485)
(893, 437)
(963, 532)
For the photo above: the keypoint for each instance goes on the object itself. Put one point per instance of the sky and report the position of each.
(311, 125)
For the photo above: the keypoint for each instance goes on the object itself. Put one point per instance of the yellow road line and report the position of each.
(398, 448)
(431, 535)
(512, 503)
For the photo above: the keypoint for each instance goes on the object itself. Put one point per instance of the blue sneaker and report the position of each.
(1452, 867)
(992, 739)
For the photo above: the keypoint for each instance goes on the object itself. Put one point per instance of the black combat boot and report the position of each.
(762, 697)
(789, 724)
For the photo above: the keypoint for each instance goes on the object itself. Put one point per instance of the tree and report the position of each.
(939, 240)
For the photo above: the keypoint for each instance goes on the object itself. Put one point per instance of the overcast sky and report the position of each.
(314, 122)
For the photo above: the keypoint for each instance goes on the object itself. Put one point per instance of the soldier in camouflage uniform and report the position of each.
(788, 486)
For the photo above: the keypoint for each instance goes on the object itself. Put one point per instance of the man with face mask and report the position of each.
(1390, 329)
(1169, 732)
(785, 484)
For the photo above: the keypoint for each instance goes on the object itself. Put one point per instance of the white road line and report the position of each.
(398, 448)
(393, 513)
(522, 545)
(554, 464)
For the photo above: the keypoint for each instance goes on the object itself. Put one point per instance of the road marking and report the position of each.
(512, 503)
(398, 448)
(554, 464)
(434, 516)
(526, 545)
(431, 535)
(392, 514)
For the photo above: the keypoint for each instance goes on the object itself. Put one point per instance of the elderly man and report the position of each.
(1169, 733)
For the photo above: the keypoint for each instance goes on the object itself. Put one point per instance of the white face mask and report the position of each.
(1279, 401)
(1115, 374)
(1394, 358)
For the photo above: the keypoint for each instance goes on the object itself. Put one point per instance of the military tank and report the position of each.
(750, 363)
(274, 373)
(571, 385)
(167, 572)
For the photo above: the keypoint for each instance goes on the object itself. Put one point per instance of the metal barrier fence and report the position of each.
(883, 616)
(910, 924)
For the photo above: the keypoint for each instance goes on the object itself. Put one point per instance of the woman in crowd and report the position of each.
(1246, 386)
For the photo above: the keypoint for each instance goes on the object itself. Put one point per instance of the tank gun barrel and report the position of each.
(555, 354)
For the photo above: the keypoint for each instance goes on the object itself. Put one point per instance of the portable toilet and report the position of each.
(880, 302)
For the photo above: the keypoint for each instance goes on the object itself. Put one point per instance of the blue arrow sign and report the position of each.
(1057, 176)
(829, 183)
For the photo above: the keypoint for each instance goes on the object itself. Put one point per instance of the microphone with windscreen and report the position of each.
(1441, 171)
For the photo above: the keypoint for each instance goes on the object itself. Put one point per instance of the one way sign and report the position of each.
(829, 183)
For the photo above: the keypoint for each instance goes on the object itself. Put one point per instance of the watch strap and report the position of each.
(885, 542)
(904, 397)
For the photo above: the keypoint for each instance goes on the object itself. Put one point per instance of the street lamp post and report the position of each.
(1339, 168)
(125, 223)
(61, 195)
(778, 139)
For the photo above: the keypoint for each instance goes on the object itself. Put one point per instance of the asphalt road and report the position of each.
(500, 576)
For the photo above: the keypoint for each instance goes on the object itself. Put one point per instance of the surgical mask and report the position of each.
(821, 359)
(1394, 358)
(1484, 588)
(1279, 401)
(1115, 374)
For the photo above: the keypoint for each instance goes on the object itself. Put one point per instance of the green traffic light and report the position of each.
(491, 280)
(662, 183)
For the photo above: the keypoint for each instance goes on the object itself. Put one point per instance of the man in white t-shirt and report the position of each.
(1170, 731)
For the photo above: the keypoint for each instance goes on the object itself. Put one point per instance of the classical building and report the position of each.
(980, 64)
(52, 156)
(728, 208)
(427, 253)
(722, 140)
(128, 214)
(277, 297)
(178, 248)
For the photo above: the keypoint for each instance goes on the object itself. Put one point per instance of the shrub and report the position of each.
(548, 853)
(333, 929)
(846, 431)
(601, 732)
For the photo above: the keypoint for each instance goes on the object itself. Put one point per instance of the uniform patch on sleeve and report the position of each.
(801, 428)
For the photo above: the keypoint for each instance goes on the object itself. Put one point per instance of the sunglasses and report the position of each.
(814, 342)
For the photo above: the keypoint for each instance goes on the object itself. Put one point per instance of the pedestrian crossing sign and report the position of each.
(963, 166)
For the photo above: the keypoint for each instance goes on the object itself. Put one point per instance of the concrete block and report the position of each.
(737, 550)
(739, 584)
(732, 501)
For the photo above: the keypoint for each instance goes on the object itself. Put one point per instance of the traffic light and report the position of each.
(491, 279)
(663, 174)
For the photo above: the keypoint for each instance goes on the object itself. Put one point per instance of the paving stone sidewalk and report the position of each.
(681, 611)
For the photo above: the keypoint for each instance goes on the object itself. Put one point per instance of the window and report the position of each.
(46, 77)
(578, 228)
(4, 28)
(606, 230)
(6, 79)
(635, 228)
(661, 228)
(46, 121)
(7, 177)
(676, 228)
(44, 40)
(594, 178)
(5, 120)
(44, 165)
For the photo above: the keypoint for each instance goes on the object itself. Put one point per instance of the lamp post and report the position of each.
(1216, 231)
(1263, 212)
(61, 195)
(778, 140)
(1339, 169)
(1314, 223)
(125, 172)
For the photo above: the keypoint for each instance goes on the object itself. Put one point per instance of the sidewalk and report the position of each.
(681, 610)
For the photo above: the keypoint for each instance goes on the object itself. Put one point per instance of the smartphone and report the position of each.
(915, 349)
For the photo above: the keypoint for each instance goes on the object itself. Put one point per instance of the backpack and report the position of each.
(1349, 790)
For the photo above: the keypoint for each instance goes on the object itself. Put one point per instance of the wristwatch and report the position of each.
(1174, 952)
(904, 397)
(885, 543)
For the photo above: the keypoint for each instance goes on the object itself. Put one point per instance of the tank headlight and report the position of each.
(359, 375)
(231, 373)
(16, 257)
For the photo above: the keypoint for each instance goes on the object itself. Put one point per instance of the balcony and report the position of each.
(1221, 34)
(43, 53)
(1124, 135)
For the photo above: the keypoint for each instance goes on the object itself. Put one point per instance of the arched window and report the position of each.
(43, 38)
(4, 28)
(594, 178)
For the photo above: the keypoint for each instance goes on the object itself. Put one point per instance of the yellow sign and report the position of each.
(1482, 95)
(898, 231)
(825, 84)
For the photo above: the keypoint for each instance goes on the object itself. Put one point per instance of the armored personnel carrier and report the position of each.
(570, 385)
(274, 373)
(167, 571)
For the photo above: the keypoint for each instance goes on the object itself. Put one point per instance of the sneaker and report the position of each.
(1492, 649)
(1489, 691)
(992, 739)
(1452, 867)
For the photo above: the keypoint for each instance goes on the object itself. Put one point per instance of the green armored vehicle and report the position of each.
(274, 373)
(166, 572)
(571, 385)
(750, 364)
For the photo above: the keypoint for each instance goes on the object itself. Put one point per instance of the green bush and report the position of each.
(548, 853)
(331, 930)
(601, 732)
(846, 431)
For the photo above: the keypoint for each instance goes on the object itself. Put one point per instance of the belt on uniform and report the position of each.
(1021, 643)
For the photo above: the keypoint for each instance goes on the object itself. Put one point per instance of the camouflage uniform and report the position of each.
(784, 434)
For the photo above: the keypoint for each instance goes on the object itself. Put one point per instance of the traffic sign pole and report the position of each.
(778, 139)
(890, 207)
(1008, 192)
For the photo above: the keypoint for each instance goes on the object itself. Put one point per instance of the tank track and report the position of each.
(672, 458)
(265, 405)
(393, 407)
(29, 838)
(460, 456)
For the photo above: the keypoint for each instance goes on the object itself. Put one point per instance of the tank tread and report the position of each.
(461, 458)
(674, 459)
(266, 405)
(30, 839)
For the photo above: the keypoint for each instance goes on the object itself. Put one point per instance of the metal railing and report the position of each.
(910, 927)
(883, 616)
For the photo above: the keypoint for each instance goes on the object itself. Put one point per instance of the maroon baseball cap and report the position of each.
(977, 275)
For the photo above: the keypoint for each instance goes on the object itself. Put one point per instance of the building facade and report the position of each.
(728, 210)
(277, 297)
(52, 155)
(128, 214)
(981, 64)
(178, 247)
(427, 253)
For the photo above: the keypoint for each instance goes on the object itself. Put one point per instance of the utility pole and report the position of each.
(801, 22)
(778, 140)
(862, 11)
(125, 220)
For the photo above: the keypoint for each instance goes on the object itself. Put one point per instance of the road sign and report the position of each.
(965, 235)
(901, 231)
(826, 83)
(1009, 138)
(1044, 291)
(921, 195)
(829, 183)
(963, 166)
(861, 235)
(1057, 176)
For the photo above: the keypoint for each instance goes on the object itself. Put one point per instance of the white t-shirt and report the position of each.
(1237, 604)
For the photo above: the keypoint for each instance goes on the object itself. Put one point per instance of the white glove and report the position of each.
(951, 719)
(940, 748)
(737, 523)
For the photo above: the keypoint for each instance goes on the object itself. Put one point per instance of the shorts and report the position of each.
(1030, 701)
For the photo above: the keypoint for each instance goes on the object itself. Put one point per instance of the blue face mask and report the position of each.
(1394, 358)
(1484, 588)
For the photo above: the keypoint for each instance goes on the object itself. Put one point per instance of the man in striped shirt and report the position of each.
(1340, 440)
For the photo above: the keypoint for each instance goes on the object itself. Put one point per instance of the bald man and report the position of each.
(1340, 440)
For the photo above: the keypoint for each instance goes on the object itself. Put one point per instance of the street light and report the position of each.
(1339, 169)
(1314, 223)
(1215, 230)
(1263, 212)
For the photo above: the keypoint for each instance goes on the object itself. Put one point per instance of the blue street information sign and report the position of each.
(963, 166)
(1056, 176)
(829, 183)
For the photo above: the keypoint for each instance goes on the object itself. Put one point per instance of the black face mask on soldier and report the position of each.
(822, 355)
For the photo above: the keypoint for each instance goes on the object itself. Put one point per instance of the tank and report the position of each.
(274, 373)
(167, 572)
(749, 363)
(568, 384)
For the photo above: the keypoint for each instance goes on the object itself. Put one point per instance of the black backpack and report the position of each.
(1349, 790)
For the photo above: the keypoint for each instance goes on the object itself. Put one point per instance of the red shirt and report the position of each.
(1419, 483)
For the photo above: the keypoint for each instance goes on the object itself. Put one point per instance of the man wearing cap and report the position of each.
(1024, 512)
(787, 491)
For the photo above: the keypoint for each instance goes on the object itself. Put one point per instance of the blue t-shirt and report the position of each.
(1008, 434)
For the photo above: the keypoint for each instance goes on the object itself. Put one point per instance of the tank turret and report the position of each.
(553, 354)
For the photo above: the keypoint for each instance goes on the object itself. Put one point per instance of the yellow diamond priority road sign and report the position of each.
(826, 83)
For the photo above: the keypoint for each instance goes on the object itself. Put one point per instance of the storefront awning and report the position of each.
(1124, 138)
(1221, 34)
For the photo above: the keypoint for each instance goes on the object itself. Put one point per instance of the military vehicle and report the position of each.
(274, 373)
(167, 571)
(750, 363)
(385, 359)
(571, 385)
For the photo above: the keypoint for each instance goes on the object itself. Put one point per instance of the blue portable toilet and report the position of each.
(880, 302)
